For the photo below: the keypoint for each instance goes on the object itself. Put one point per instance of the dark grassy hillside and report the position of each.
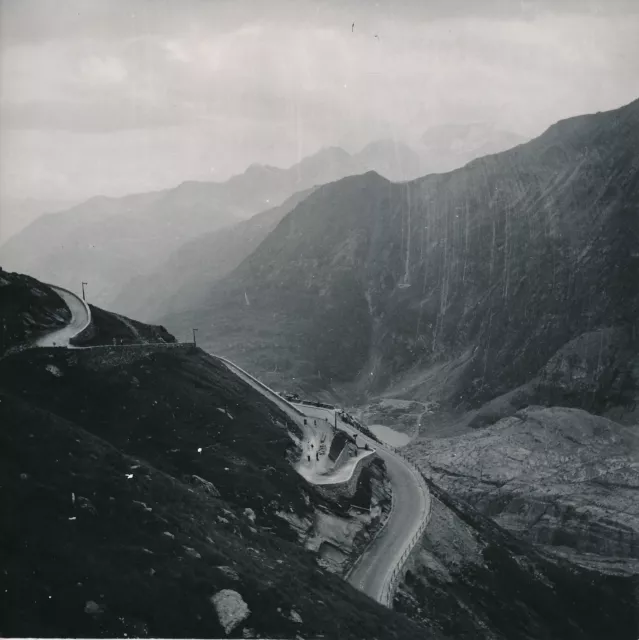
(28, 309)
(107, 531)
(96, 543)
(110, 326)
(165, 407)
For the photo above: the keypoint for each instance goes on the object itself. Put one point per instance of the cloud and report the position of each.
(44, 20)
(182, 85)
(272, 72)
(103, 70)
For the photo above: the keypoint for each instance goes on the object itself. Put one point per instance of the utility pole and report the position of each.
(83, 296)
(194, 330)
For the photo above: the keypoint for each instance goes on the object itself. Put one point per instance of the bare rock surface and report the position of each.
(559, 477)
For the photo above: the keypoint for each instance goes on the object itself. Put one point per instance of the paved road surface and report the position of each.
(410, 503)
(80, 318)
(383, 555)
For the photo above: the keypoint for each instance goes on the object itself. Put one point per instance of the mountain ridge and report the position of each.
(109, 240)
(468, 237)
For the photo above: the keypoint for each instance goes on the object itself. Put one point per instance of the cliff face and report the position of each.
(478, 276)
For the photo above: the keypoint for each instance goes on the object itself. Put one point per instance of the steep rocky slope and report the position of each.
(112, 328)
(454, 288)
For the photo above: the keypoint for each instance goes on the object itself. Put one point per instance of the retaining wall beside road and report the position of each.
(316, 412)
(344, 455)
(347, 488)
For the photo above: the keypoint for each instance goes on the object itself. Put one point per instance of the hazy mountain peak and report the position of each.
(323, 157)
(392, 158)
(257, 168)
(450, 146)
(452, 133)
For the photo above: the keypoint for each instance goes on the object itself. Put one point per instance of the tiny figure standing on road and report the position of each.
(317, 457)
(309, 457)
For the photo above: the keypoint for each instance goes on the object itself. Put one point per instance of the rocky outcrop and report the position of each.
(559, 477)
(231, 609)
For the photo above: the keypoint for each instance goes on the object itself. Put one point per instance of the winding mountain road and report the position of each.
(374, 570)
(80, 320)
(372, 573)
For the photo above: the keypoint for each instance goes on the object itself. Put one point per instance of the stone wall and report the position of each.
(347, 488)
(345, 455)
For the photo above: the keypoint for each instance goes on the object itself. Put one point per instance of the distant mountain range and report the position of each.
(185, 278)
(108, 241)
(186, 275)
(18, 213)
(113, 242)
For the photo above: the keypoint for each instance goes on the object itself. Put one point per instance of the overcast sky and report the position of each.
(108, 96)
